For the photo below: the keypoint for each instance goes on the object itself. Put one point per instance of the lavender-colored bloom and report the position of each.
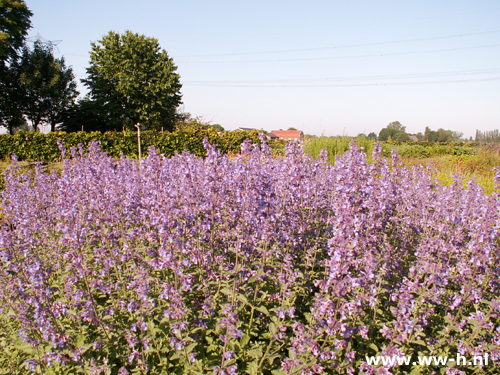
(322, 255)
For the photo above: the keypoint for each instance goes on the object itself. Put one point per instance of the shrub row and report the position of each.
(43, 147)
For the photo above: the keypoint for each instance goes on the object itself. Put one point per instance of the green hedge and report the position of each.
(427, 149)
(43, 147)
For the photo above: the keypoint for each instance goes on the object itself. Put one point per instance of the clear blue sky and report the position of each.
(326, 67)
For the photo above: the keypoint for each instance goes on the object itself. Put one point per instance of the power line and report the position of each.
(303, 31)
(391, 76)
(349, 45)
(343, 57)
(340, 81)
(355, 85)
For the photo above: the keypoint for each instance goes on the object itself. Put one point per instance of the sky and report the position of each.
(326, 67)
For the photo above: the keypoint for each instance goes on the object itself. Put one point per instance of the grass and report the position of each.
(478, 167)
(335, 146)
(447, 160)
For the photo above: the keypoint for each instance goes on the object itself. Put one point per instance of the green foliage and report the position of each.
(339, 145)
(335, 145)
(186, 122)
(385, 133)
(84, 115)
(14, 25)
(34, 146)
(11, 113)
(396, 125)
(488, 136)
(441, 135)
(393, 131)
(217, 127)
(44, 84)
(30, 146)
(133, 81)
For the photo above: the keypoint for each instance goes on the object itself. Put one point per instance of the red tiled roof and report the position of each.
(288, 133)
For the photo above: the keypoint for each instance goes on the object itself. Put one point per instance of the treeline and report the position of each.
(131, 81)
(492, 136)
(35, 86)
(395, 131)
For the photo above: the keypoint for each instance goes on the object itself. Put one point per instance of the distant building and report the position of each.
(288, 135)
(270, 136)
(413, 138)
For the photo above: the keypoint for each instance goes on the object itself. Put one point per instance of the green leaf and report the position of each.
(419, 342)
(271, 359)
(262, 309)
(272, 329)
(190, 347)
(252, 368)
(242, 298)
(416, 370)
(255, 353)
(80, 341)
(176, 355)
(244, 340)
(211, 348)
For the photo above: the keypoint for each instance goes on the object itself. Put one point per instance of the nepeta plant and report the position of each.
(247, 264)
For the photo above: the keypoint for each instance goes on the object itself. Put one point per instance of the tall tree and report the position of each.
(133, 81)
(395, 131)
(11, 100)
(14, 25)
(397, 126)
(63, 93)
(47, 85)
(84, 115)
(441, 135)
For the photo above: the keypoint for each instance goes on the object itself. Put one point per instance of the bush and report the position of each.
(31, 146)
(245, 264)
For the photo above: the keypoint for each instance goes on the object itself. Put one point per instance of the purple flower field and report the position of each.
(251, 264)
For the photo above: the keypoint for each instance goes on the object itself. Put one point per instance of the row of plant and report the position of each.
(245, 264)
(34, 146)
(339, 145)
